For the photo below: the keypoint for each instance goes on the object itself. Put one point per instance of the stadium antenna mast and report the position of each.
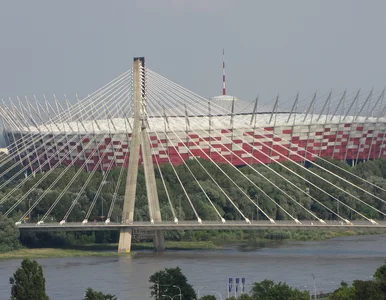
(224, 92)
(224, 96)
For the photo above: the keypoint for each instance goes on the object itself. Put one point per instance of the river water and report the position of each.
(331, 261)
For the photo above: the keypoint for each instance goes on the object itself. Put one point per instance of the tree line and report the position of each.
(372, 171)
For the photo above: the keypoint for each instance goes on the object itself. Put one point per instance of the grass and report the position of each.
(98, 250)
(51, 252)
(179, 245)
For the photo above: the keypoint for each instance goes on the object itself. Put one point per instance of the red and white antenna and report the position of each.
(224, 92)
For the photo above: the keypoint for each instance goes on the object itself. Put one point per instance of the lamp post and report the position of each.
(102, 215)
(308, 287)
(103, 183)
(215, 292)
(29, 211)
(198, 292)
(337, 205)
(257, 208)
(313, 277)
(176, 286)
(158, 285)
(102, 208)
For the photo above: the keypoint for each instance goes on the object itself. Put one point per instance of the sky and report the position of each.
(271, 47)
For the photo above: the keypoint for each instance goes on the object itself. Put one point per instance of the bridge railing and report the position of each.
(193, 222)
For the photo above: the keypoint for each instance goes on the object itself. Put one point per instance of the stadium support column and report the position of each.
(139, 139)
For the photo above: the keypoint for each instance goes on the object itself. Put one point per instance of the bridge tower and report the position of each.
(140, 142)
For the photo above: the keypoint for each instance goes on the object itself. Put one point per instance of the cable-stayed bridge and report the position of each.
(205, 225)
(143, 119)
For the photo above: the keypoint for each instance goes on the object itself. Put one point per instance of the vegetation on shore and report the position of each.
(179, 245)
(9, 235)
(248, 242)
(373, 171)
(50, 252)
(97, 250)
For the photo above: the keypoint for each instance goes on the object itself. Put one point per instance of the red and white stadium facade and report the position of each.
(242, 143)
(182, 125)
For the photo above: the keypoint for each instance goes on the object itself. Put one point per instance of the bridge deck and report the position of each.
(206, 225)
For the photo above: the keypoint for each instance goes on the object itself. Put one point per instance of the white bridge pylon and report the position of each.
(50, 136)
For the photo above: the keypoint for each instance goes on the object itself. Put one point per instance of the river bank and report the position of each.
(102, 250)
(243, 241)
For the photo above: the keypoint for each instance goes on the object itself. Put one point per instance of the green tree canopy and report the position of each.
(363, 289)
(94, 295)
(241, 297)
(380, 277)
(268, 290)
(244, 297)
(169, 282)
(9, 235)
(343, 293)
(208, 297)
(28, 282)
(367, 289)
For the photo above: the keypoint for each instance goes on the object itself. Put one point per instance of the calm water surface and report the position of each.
(345, 258)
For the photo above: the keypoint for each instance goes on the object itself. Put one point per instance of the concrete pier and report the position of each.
(125, 240)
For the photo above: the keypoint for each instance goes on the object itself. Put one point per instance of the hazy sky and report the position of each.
(271, 46)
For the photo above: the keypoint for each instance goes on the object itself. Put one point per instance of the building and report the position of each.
(95, 133)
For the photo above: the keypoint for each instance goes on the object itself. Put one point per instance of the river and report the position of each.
(330, 261)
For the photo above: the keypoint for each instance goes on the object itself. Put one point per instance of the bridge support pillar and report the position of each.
(140, 142)
(125, 240)
(159, 241)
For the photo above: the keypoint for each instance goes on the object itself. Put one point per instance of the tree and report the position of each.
(244, 297)
(380, 277)
(169, 282)
(363, 289)
(241, 297)
(9, 235)
(28, 282)
(343, 293)
(360, 289)
(94, 295)
(268, 290)
(367, 289)
(208, 297)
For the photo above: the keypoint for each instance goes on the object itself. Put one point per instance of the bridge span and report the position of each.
(205, 225)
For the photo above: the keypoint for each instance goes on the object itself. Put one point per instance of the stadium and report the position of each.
(95, 132)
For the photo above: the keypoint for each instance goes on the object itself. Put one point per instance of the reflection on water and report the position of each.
(258, 245)
(344, 258)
